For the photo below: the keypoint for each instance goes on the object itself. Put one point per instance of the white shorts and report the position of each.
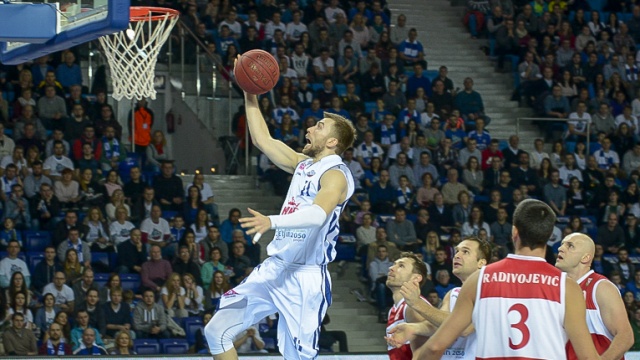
(300, 294)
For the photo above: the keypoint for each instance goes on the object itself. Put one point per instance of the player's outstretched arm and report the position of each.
(615, 319)
(575, 323)
(280, 154)
(454, 325)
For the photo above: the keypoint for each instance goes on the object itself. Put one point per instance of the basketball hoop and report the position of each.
(133, 52)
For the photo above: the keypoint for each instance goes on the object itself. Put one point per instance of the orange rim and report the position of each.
(151, 13)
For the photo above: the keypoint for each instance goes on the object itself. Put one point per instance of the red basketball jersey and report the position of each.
(397, 316)
(599, 333)
(519, 310)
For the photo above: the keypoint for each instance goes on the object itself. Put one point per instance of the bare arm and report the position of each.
(575, 323)
(454, 325)
(615, 319)
(279, 153)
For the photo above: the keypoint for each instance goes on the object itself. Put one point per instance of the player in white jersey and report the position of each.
(521, 307)
(471, 255)
(293, 281)
(606, 314)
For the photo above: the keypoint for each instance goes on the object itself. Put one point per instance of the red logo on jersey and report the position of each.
(302, 166)
(292, 206)
(231, 293)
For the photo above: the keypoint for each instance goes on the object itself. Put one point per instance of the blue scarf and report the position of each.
(95, 350)
(78, 249)
(631, 73)
(111, 148)
(370, 153)
(52, 351)
(388, 135)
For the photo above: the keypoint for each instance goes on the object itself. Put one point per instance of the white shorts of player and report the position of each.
(300, 294)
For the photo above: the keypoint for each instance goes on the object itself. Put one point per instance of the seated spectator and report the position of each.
(134, 188)
(323, 65)
(606, 157)
(123, 344)
(168, 188)
(51, 108)
(399, 168)
(184, 264)
(73, 241)
(97, 317)
(402, 232)
(69, 73)
(603, 121)
(156, 231)
(556, 105)
(156, 271)
(218, 287)
(131, 253)
(470, 104)
(249, 342)
(611, 235)
(194, 295)
(35, 179)
(16, 208)
(12, 264)
(157, 151)
(18, 340)
(45, 270)
(64, 296)
(105, 120)
(172, 295)
(75, 124)
(56, 344)
(149, 319)
(89, 345)
(56, 163)
(382, 194)
(82, 286)
(411, 50)
(79, 331)
(120, 229)
(239, 263)
(142, 206)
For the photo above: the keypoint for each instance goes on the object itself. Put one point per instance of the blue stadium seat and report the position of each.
(168, 214)
(369, 106)
(174, 346)
(129, 281)
(146, 346)
(33, 258)
(36, 240)
(341, 89)
(316, 86)
(100, 257)
(101, 279)
(191, 325)
(431, 74)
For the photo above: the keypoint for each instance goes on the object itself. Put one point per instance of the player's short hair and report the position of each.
(343, 130)
(419, 266)
(484, 248)
(534, 221)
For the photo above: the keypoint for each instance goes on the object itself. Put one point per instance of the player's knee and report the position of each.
(219, 337)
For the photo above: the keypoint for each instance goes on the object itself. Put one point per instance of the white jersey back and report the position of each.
(310, 246)
(464, 348)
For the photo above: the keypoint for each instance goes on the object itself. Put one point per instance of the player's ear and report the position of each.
(482, 262)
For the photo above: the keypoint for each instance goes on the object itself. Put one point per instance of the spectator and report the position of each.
(323, 65)
(506, 42)
(16, 208)
(172, 295)
(452, 188)
(423, 167)
(631, 159)
(411, 50)
(569, 170)
(213, 265)
(230, 224)
(469, 103)
(555, 194)
(418, 80)
(134, 188)
(611, 235)
(168, 188)
(88, 346)
(51, 108)
(606, 157)
(123, 344)
(68, 73)
(471, 150)
(107, 119)
(83, 285)
(399, 168)
(156, 231)
(18, 340)
(155, 271)
(239, 263)
(120, 229)
(183, 264)
(402, 232)
(64, 296)
(45, 270)
(524, 175)
(142, 206)
(12, 264)
(34, 180)
(57, 163)
(56, 344)
(131, 254)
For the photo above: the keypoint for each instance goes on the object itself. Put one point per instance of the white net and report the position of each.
(132, 53)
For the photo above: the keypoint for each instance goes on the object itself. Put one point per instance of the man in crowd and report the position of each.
(149, 318)
(378, 270)
(12, 264)
(46, 269)
(168, 188)
(56, 345)
(63, 294)
(156, 231)
(117, 313)
(156, 271)
(88, 346)
(97, 317)
(78, 332)
(131, 254)
(73, 242)
(81, 288)
(17, 340)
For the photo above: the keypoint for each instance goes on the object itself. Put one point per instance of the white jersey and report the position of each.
(310, 246)
(465, 346)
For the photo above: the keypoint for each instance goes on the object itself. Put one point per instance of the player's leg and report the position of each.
(302, 307)
(239, 308)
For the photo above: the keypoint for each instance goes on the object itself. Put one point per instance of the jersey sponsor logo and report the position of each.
(231, 293)
(502, 277)
(311, 173)
(292, 206)
(295, 235)
(458, 353)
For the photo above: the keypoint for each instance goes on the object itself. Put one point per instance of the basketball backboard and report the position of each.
(31, 30)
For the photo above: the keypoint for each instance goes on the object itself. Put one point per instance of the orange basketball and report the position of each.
(257, 72)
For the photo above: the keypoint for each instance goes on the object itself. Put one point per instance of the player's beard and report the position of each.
(312, 150)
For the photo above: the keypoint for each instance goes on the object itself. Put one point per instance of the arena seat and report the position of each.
(101, 279)
(191, 325)
(100, 257)
(34, 258)
(174, 346)
(146, 346)
(36, 240)
(129, 281)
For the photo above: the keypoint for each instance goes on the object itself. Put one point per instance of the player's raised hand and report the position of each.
(410, 291)
(400, 334)
(258, 224)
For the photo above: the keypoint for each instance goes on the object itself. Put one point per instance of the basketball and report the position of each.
(257, 72)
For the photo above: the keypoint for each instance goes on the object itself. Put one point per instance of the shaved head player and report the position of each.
(606, 314)
(293, 281)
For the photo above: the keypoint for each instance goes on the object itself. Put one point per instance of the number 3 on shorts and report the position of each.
(520, 326)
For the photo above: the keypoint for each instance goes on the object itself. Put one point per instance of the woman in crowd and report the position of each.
(72, 267)
(557, 155)
(544, 173)
(383, 46)
(67, 190)
(105, 291)
(17, 285)
(491, 209)
(577, 199)
(211, 266)
(580, 155)
(217, 288)
(613, 206)
(475, 223)
(194, 295)
(576, 225)
(120, 229)
(157, 151)
(33, 155)
(193, 204)
(430, 246)
(46, 315)
(172, 295)
(201, 225)
(427, 191)
(98, 235)
(195, 249)
(90, 191)
(473, 176)
(61, 319)
(111, 184)
(462, 209)
(123, 344)
(365, 234)
(19, 305)
(372, 175)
